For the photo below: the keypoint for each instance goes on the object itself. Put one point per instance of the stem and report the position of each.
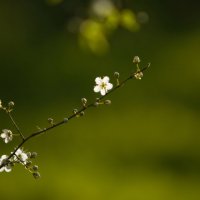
(63, 121)
(15, 125)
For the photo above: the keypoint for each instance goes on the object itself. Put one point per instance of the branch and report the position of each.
(15, 125)
(138, 74)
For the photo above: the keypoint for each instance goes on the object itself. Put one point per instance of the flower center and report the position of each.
(103, 85)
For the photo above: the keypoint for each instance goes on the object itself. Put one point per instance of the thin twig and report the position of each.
(64, 120)
(15, 125)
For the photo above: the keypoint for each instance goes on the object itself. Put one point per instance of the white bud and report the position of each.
(138, 75)
(50, 120)
(11, 104)
(82, 113)
(107, 102)
(75, 111)
(116, 75)
(84, 101)
(65, 120)
(136, 60)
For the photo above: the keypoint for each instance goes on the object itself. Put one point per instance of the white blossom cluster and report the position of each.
(19, 157)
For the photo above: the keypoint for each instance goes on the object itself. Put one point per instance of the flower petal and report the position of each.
(6, 140)
(103, 92)
(109, 86)
(106, 79)
(3, 157)
(24, 157)
(98, 80)
(3, 135)
(8, 168)
(18, 152)
(97, 88)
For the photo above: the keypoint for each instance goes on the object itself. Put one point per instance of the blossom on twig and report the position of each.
(6, 135)
(103, 85)
(6, 167)
(21, 156)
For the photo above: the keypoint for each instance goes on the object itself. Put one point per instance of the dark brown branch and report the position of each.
(66, 119)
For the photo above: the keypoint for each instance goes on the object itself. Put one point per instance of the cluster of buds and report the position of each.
(138, 74)
(102, 102)
(9, 107)
(19, 157)
(30, 167)
(78, 113)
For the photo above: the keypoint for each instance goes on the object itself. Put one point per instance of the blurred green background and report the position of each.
(146, 145)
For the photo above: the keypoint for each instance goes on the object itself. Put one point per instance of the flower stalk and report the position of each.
(15, 125)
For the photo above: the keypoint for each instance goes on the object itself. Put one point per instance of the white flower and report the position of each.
(6, 135)
(6, 167)
(21, 156)
(0, 104)
(103, 85)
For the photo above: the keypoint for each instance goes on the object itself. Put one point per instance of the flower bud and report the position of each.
(28, 164)
(75, 111)
(96, 104)
(28, 154)
(136, 60)
(116, 75)
(107, 102)
(138, 75)
(36, 175)
(65, 120)
(84, 101)
(11, 104)
(50, 120)
(33, 155)
(82, 113)
(35, 168)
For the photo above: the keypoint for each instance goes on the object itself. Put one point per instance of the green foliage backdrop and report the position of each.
(145, 146)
